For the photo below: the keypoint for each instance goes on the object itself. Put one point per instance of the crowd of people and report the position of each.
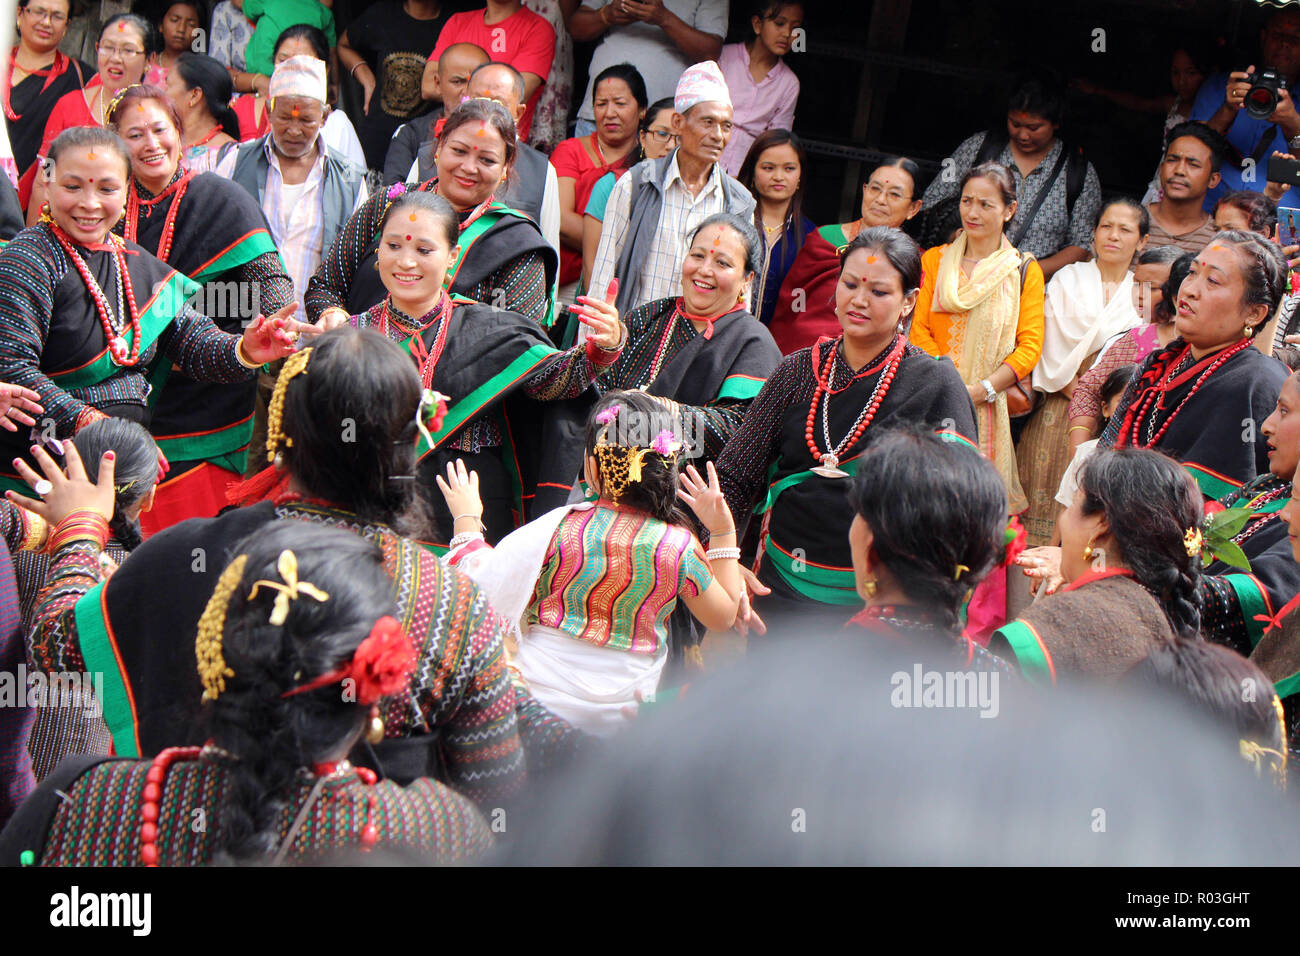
(405, 459)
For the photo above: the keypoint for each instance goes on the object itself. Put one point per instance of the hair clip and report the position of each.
(287, 565)
(1193, 542)
(960, 569)
(665, 443)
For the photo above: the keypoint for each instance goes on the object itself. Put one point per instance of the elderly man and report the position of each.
(655, 207)
(306, 189)
(532, 187)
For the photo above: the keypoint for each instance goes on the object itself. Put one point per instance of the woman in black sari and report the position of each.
(804, 434)
(1203, 398)
(39, 75)
(212, 230)
(494, 367)
(702, 353)
(90, 322)
(504, 260)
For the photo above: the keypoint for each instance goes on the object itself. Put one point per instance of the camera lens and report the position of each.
(1260, 102)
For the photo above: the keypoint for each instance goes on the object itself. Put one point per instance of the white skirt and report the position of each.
(586, 684)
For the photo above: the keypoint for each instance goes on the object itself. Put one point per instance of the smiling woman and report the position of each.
(209, 229)
(89, 316)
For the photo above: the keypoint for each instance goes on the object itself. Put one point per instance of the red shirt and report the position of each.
(524, 39)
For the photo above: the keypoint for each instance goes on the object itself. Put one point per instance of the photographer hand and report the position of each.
(1234, 97)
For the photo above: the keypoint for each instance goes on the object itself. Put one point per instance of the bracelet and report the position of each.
(463, 538)
(333, 308)
(88, 414)
(353, 72)
(718, 534)
(36, 531)
(478, 518)
(83, 525)
(1086, 428)
(721, 554)
(242, 357)
(603, 19)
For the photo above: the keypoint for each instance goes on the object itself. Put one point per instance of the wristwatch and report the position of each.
(1294, 143)
(990, 390)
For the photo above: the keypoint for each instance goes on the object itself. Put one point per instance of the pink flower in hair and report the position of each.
(665, 443)
(608, 415)
(396, 190)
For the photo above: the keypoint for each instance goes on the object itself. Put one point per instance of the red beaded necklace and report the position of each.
(1152, 401)
(153, 784)
(888, 367)
(680, 309)
(369, 833)
(126, 297)
(131, 227)
(425, 358)
(212, 134)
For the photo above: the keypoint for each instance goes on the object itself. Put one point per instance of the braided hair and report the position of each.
(271, 736)
(1151, 503)
(135, 470)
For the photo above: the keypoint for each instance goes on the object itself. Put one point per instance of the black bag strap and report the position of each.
(1041, 198)
(29, 826)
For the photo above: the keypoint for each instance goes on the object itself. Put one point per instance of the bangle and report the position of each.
(464, 537)
(478, 518)
(722, 554)
(718, 534)
(353, 72)
(603, 19)
(36, 531)
(1086, 428)
(83, 525)
(333, 308)
(242, 357)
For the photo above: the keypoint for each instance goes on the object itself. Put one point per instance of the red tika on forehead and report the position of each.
(482, 128)
(121, 26)
(411, 217)
(408, 238)
(871, 260)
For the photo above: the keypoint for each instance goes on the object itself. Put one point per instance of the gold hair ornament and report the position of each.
(1193, 542)
(287, 565)
(117, 101)
(620, 465)
(212, 624)
(295, 364)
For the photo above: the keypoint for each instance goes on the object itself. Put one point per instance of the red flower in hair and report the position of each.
(437, 128)
(1213, 508)
(435, 421)
(383, 661)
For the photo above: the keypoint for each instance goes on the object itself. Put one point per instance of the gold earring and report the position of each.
(869, 587)
(375, 729)
(1087, 553)
(1248, 331)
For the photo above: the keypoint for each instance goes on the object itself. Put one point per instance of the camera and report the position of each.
(1261, 98)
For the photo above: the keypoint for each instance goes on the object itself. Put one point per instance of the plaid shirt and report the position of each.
(679, 214)
(1053, 228)
(297, 226)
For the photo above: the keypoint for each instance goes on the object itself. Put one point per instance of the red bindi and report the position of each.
(121, 27)
(408, 238)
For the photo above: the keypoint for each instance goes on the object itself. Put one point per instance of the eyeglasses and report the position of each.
(38, 15)
(662, 135)
(124, 52)
(893, 195)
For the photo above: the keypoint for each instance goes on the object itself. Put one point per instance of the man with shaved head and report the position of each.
(444, 80)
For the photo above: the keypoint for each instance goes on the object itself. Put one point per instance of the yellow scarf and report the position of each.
(985, 312)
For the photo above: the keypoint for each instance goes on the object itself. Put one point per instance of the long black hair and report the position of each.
(1151, 503)
(207, 75)
(937, 511)
(351, 421)
(135, 469)
(639, 419)
(271, 736)
(765, 141)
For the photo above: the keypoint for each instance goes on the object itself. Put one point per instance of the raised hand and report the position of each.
(1043, 564)
(602, 318)
(274, 336)
(70, 491)
(706, 500)
(461, 491)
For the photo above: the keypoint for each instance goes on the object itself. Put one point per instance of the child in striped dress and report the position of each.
(591, 586)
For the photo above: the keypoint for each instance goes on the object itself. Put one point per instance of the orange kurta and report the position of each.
(932, 329)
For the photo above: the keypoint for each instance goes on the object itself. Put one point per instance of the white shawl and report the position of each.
(1076, 323)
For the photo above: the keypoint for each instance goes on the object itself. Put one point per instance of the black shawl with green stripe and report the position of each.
(489, 354)
(806, 555)
(732, 364)
(219, 229)
(1216, 433)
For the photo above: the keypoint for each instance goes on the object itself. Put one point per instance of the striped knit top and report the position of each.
(99, 823)
(39, 284)
(612, 575)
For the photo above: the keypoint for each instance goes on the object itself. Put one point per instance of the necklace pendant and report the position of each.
(829, 468)
(117, 349)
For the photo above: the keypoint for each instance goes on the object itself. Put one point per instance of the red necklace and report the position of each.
(1152, 401)
(426, 359)
(657, 364)
(888, 366)
(153, 784)
(369, 833)
(126, 297)
(51, 73)
(207, 139)
(131, 227)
